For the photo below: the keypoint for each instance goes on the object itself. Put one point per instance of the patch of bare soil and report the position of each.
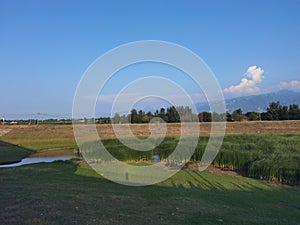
(213, 169)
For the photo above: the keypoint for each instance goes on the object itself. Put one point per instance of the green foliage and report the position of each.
(173, 114)
(124, 153)
(237, 115)
(170, 115)
(276, 111)
(294, 112)
(273, 157)
(133, 116)
(252, 116)
(204, 117)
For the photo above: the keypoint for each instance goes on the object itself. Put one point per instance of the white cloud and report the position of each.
(249, 82)
(292, 85)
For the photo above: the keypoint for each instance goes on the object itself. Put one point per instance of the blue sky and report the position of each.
(46, 46)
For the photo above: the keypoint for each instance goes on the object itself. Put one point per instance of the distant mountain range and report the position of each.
(257, 102)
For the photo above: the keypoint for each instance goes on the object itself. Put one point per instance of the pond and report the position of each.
(44, 156)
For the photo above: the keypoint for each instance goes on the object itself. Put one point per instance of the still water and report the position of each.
(44, 156)
(33, 160)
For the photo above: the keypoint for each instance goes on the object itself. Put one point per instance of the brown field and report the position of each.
(173, 129)
(232, 128)
(142, 130)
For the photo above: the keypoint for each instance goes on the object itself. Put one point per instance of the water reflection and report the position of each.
(49, 155)
(32, 160)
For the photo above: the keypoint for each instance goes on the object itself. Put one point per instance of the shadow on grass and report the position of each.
(65, 193)
(10, 153)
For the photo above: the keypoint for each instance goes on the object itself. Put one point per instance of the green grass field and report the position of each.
(63, 193)
(69, 193)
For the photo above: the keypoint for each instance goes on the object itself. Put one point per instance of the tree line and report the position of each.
(275, 111)
(170, 115)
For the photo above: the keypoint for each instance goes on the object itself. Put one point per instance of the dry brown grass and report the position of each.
(264, 127)
(59, 136)
(232, 128)
(142, 130)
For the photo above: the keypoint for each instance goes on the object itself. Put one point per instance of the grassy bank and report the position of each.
(11, 153)
(41, 137)
(63, 193)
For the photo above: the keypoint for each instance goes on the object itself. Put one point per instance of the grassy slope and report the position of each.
(41, 137)
(10, 153)
(62, 193)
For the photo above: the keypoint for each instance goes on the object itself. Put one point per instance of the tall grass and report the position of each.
(272, 157)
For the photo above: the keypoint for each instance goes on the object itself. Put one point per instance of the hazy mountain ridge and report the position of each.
(257, 102)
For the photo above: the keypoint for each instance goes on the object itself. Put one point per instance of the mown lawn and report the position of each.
(64, 193)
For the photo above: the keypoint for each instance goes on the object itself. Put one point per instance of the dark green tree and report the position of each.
(134, 116)
(140, 116)
(172, 115)
(274, 110)
(204, 117)
(266, 116)
(237, 115)
(252, 116)
(284, 113)
(228, 117)
(294, 112)
(162, 114)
